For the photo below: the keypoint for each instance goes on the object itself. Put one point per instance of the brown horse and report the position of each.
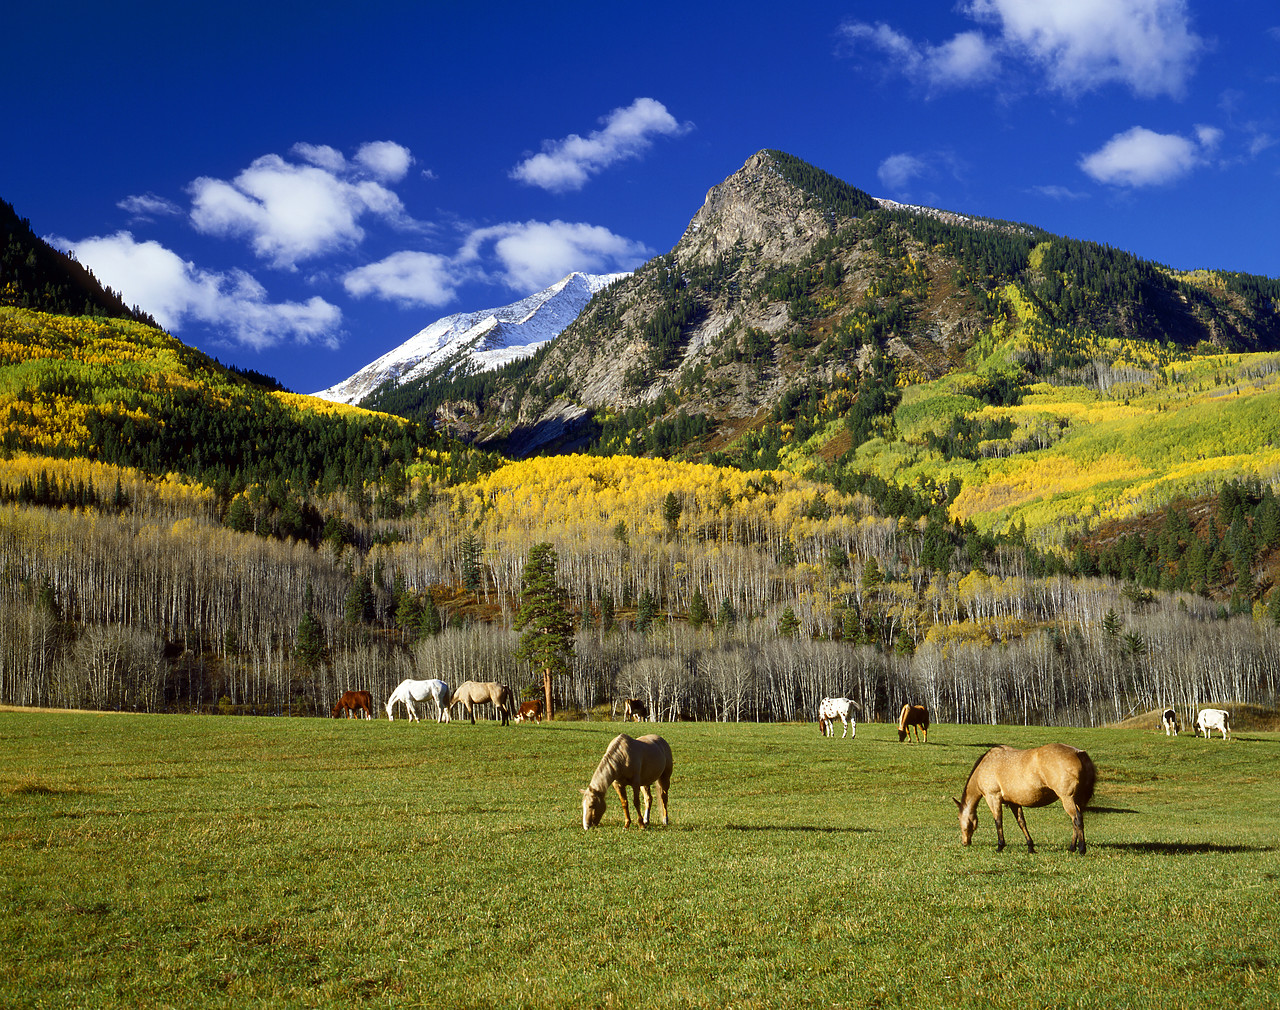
(914, 718)
(636, 709)
(1005, 776)
(471, 693)
(353, 703)
(635, 763)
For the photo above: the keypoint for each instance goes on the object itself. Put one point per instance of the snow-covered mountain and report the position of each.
(480, 340)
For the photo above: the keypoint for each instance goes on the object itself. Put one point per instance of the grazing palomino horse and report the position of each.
(914, 718)
(1170, 722)
(1005, 776)
(1210, 719)
(832, 709)
(353, 703)
(635, 709)
(635, 763)
(471, 693)
(409, 691)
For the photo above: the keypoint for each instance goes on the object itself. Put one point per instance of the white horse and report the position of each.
(409, 691)
(832, 709)
(1210, 719)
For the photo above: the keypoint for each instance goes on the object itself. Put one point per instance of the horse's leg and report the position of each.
(1022, 823)
(1077, 824)
(626, 810)
(647, 793)
(994, 803)
(844, 720)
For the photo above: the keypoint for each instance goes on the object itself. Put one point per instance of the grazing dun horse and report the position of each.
(471, 693)
(1005, 776)
(1169, 720)
(629, 762)
(832, 709)
(1210, 719)
(409, 691)
(354, 704)
(914, 719)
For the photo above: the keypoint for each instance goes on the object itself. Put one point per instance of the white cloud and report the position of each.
(1077, 45)
(1083, 44)
(1059, 193)
(291, 212)
(409, 278)
(968, 58)
(534, 254)
(1141, 157)
(321, 155)
(898, 170)
(175, 291)
(567, 164)
(149, 206)
(385, 160)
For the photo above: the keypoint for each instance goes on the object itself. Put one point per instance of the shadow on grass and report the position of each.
(1181, 848)
(797, 827)
(1089, 811)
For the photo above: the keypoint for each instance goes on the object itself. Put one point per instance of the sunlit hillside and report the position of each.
(175, 534)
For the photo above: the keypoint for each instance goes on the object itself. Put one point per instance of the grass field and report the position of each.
(209, 861)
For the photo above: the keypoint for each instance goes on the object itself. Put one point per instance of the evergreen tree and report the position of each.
(430, 623)
(358, 607)
(471, 565)
(646, 611)
(544, 619)
(606, 613)
(698, 612)
(240, 515)
(308, 646)
(671, 509)
(788, 624)
(727, 616)
(871, 577)
(408, 613)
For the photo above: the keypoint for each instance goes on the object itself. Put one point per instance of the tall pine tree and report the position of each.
(544, 619)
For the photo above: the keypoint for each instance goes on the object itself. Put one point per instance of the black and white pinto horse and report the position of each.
(1170, 722)
(832, 709)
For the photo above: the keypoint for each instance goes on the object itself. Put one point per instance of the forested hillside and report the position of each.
(1058, 509)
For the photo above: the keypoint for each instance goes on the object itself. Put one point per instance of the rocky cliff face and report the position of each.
(756, 208)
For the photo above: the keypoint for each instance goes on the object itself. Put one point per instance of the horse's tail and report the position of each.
(1088, 779)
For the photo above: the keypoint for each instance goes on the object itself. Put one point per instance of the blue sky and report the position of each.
(299, 187)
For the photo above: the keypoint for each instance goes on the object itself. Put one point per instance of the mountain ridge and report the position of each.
(476, 341)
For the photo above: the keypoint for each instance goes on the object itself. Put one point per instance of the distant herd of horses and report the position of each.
(1003, 776)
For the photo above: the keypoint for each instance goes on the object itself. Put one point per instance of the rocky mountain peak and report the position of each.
(757, 209)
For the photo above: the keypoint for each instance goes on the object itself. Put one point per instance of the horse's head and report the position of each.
(968, 821)
(902, 734)
(592, 808)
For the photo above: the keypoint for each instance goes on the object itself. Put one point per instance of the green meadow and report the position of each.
(221, 861)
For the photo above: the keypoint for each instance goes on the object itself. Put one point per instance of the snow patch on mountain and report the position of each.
(477, 341)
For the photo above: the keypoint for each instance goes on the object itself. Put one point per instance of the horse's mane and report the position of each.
(609, 766)
(981, 757)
